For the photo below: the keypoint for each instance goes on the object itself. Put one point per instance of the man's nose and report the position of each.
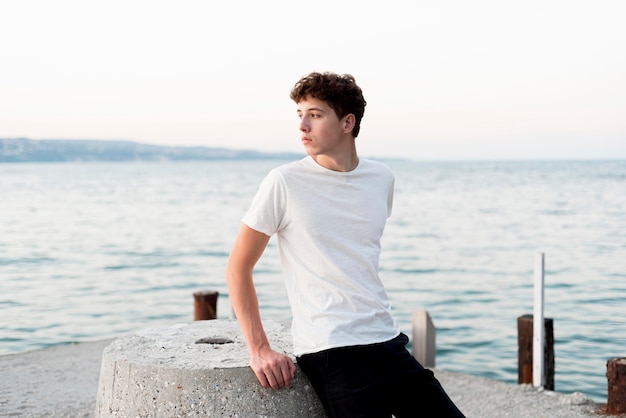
(304, 125)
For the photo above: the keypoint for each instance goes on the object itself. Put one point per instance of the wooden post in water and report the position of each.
(525, 328)
(424, 346)
(616, 377)
(205, 305)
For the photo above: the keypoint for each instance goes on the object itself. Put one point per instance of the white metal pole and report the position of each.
(539, 340)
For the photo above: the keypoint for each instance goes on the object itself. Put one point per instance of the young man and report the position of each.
(328, 212)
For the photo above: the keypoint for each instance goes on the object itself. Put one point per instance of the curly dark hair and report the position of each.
(340, 91)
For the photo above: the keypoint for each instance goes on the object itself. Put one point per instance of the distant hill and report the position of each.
(55, 150)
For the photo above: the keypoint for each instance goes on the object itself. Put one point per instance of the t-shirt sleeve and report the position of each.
(266, 213)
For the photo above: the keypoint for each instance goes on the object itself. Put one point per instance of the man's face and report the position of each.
(322, 132)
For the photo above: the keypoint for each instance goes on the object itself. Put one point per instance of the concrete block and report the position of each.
(197, 369)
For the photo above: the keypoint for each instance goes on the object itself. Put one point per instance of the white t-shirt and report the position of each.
(329, 225)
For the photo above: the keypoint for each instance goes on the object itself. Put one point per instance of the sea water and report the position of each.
(98, 250)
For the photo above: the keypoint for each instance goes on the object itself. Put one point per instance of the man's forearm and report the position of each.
(246, 306)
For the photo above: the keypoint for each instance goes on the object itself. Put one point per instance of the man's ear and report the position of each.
(348, 122)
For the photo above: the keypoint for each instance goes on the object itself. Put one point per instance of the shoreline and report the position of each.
(62, 381)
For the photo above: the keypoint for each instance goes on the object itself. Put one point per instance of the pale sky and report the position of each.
(445, 79)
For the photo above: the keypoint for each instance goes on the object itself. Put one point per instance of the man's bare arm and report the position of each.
(273, 369)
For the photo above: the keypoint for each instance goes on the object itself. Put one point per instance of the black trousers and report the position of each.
(376, 380)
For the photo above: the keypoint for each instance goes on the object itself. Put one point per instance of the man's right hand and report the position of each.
(273, 369)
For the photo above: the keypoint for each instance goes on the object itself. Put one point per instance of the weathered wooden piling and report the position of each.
(205, 305)
(616, 379)
(525, 350)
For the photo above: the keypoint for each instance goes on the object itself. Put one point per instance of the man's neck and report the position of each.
(343, 163)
